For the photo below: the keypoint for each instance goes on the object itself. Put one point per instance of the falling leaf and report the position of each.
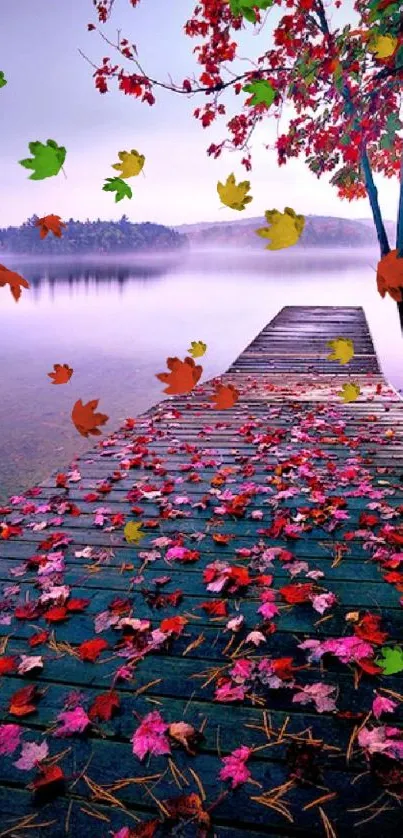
(392, 660)
(31, 754)
(62, 373)
(104, 706)
(131, 164)
(132, 532)
(116, 184)
(349, 392)
(389, 276)
(234, 195)
(342, 350)
(183, 376)
(197, 348)
(263, 92)
(86, 420)
(285, 228)
(3, 80)
(46, 160)
(14, 280)
(50, 224)
(225, 396)
(383, 46)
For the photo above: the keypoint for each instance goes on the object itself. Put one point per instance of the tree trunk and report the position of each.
(372, 193)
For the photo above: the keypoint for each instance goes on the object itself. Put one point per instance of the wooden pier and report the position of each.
(293, 496)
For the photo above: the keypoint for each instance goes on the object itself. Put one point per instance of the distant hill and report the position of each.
(319, 231)
(81, 237)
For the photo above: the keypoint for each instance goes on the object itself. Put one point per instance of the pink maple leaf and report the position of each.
(72, 721)
(382, 705)
(386, 740)
(31, 754)
(9, 738)
(234, 767)
(320, 694)
(150, 737)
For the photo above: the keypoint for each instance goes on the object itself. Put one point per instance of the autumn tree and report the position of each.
(344, 85)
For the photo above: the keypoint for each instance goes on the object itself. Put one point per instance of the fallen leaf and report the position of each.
(284, 230)
(185, 735)
(133, 533)
(150, 737)
(182, 378)
(86, 420)
(46, 160)
(389, 276)
(72, 721)
(104, 706)
(131, 163)
(10, 736)
(62, 373)
(14, 280)
(234, 766)
(197, 348)
(50, 224)
(391, 660)
(225, 396)
(342, 350)
(234, 195)
(90, 650)
(49, 783)
(22, 701)
(349, 392)
(31, 754)
(116, 184)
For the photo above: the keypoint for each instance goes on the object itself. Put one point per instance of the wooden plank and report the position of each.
(289, 430)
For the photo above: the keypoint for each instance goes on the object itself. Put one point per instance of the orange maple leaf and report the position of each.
(62, 373)
(14, 280)
(225, 396)
(389, 276)
(183, 376)
(86, 420)
(50, 224)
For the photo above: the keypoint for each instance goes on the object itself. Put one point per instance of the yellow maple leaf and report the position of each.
(342, 350)
(197, 348)
(133, 532)
(234, 194)
(285, 228)
(349, 392)
(131, 163)
(383, 46)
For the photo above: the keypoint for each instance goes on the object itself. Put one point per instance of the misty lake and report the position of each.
(116, 319)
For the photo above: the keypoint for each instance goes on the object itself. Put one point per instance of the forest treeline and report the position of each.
(90, 237)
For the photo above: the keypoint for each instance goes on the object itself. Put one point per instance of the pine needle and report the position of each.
(146, 686)
(319, 800)
(94, 814)
(194, 644)
(329, 831)
(198, 783)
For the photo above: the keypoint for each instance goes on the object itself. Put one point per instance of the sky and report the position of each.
(51, 94)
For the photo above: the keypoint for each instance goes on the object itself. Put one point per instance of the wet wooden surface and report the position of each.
(289, 430)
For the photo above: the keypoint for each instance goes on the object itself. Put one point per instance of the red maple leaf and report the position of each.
(104, 706)
(8, 664)
(90, 650)
(297, 593)
(216, 608)
(56, 614)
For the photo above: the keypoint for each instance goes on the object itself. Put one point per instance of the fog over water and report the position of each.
(115, 319)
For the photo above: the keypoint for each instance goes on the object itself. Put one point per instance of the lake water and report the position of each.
(115, 321)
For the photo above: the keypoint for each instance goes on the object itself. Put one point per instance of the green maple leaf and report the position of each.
(3, 80)
(246, 8)
(263, 92)
(393, 124)
(46, 160)
(116, 184)
(392, 660)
